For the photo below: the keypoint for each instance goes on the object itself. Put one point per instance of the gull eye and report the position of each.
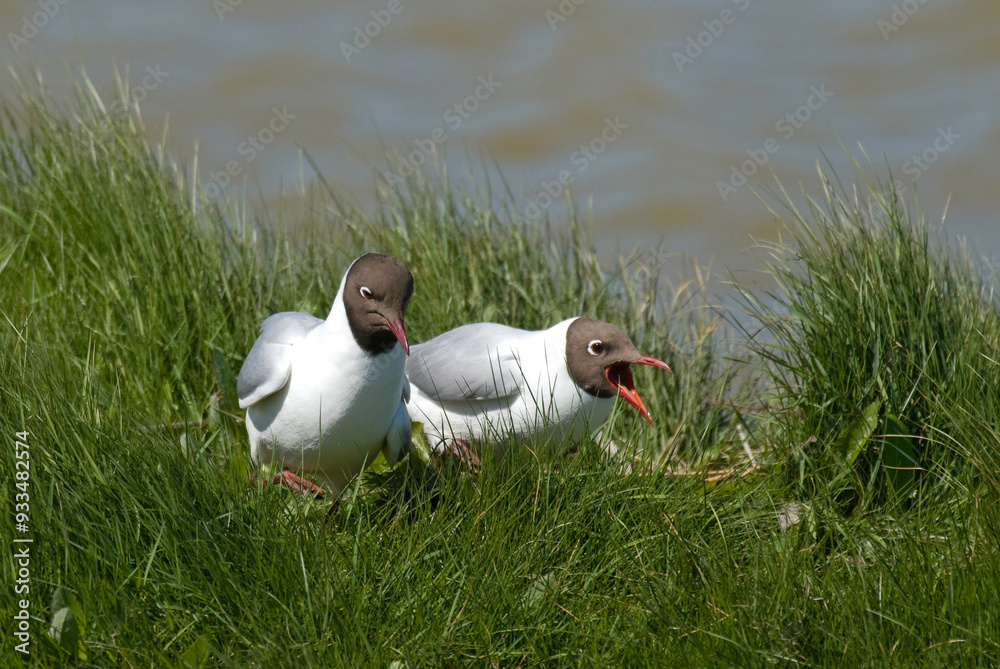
(366, 293)
(595, 347)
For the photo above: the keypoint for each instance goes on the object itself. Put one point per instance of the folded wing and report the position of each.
(268, 366)
(472, 362)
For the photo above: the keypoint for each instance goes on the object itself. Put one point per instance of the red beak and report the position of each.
(653, 362)
(620, 376)
(399, 331)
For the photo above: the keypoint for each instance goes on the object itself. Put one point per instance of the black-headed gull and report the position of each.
(492, 381)
(325, 396)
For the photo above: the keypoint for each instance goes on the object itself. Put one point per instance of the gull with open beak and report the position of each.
(325, 396)
(490, 381)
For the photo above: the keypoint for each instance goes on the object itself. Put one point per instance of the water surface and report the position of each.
(652, 112)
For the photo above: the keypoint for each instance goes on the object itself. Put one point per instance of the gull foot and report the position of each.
(459, 448)
(293, 481)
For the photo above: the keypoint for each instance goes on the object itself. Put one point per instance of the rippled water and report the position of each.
(652, 112)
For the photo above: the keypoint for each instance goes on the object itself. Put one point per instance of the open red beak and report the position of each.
(620, 376)
(399, 331)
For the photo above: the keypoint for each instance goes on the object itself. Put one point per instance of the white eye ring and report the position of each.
(595, 347)
(366, 293)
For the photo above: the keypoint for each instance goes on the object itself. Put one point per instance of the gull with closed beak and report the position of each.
(323, 397)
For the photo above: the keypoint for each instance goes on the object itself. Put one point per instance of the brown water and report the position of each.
(652, 112)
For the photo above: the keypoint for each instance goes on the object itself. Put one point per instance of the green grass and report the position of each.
(868, 402)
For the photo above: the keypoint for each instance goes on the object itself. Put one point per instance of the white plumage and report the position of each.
(318, 403)
(490, 381)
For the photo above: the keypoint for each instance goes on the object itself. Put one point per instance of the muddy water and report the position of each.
(660, 117)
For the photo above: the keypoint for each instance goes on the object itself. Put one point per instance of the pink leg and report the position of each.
(293, 481)
(458, 448)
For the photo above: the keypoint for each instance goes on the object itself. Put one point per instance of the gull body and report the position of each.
(325, 396)
(491, 381)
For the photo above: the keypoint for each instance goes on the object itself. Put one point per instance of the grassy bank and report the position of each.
(819, 490)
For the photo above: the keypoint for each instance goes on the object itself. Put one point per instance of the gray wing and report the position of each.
(269, 364)
(472, 362)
